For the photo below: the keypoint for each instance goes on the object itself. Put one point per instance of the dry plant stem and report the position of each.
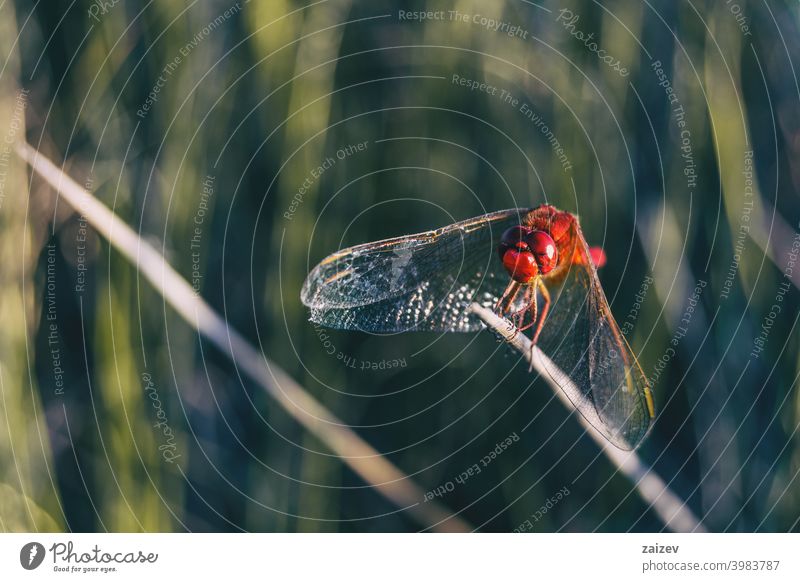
(672, 510)
(375, 469)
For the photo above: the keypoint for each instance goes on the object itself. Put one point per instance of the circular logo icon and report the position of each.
(31, 555)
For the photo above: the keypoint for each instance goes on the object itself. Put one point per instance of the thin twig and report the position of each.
(672, 510)
(362, 458)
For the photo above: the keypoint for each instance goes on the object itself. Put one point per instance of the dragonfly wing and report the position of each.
(419, 282)
(591, 360)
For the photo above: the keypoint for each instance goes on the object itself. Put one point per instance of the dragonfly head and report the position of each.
(527, 253)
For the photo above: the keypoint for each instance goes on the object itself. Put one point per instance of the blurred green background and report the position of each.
(146, 103)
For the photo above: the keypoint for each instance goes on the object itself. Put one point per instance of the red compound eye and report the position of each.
(544, 250)
(521, 265)
(513, 238)
(517, 258)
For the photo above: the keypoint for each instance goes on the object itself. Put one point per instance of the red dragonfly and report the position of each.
(427, 282)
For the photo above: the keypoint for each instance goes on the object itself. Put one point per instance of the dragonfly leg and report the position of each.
(531, 306)
(507, 298)
(526, 301)
(534, 309)
(519, 316)
(545, 308)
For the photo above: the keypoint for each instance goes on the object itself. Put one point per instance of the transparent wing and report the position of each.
(418, 282)
(590, 358)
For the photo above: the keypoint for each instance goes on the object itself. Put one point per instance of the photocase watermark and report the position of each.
(352, 362)
(66, 559)
(473, 470)
(522, 107)
(539, 123)
(568, 20)
(680, 332)
(483, 87)
(94, 560)
(80, 250)
(316, 173)
(420, 15)
(738, 14)
(371, 365)
(172, 66)
(760, 341)
(16, 124)
(680, 121)
(195, 240)
(168, 448)
(31, 555)
(638, 300)
(51, 316)
(100, 8)
(491, 24)
(551, 502)
(161, 82)
(81, 240)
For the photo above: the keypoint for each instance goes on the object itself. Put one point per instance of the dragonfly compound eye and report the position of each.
(521, 265)
(516, 256)
(544, 250)
(513, 238)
